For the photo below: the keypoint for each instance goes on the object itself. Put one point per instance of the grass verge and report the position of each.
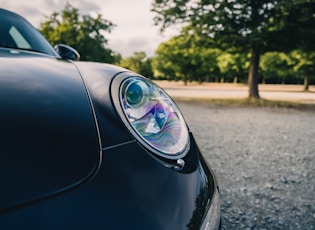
(246, 102)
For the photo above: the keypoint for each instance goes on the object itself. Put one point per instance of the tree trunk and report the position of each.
(199, 80)
(253, 74)
(185, 79)
(306, 82)
(207, 78)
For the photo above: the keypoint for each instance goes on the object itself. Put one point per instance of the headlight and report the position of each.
(153, 117)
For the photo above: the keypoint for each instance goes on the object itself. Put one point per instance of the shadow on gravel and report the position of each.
(264, 159)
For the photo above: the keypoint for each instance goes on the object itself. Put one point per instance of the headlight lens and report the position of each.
(154, 117)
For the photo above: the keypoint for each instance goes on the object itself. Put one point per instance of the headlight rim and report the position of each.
(116, 85)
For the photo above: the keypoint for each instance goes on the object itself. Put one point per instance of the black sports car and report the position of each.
(92, 146)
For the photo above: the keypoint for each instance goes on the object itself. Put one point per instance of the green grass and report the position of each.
(249, 103)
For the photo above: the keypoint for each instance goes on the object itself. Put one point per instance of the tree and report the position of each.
(163, 68)
(254, 26)
(304, 65)
(176, 53)
(138, 63)
(183, 57)
(276, 67)
(209, 64)
(233, 65)
(83, 33)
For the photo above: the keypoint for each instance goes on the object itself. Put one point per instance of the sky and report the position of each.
(134, 31)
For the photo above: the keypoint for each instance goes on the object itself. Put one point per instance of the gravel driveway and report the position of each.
(264, 159)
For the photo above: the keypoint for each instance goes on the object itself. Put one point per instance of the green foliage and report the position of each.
(247, 26)
(295, 22)
(288, 68)
(83, 33)
(233, 65)
(166, 61)
(241, 24)
(276, 67)
(303, 62)
(138, 63)
(265, 25)
(182, 58)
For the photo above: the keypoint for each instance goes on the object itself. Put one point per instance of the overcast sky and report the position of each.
(134, 31)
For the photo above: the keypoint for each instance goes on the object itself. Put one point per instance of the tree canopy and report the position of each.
(254, 26)
(138, 63)
(183, 58)
(82, 32)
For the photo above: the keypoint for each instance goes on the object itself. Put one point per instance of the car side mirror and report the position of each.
(67, 52)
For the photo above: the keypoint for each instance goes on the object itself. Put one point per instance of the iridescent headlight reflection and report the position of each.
(154, 116)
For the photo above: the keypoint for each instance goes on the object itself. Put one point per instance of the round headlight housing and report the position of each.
(153, 117)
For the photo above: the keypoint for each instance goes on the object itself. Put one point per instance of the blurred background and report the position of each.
(240, 42)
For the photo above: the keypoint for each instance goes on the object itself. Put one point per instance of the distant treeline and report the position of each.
(215, 65)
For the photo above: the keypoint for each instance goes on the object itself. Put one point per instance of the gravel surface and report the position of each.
(264, 160)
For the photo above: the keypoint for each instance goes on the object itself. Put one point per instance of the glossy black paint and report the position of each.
(130, 189)
(97, 78)
(48, 139)
(67, 161)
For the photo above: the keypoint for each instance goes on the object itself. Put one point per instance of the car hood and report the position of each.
(49, 141)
